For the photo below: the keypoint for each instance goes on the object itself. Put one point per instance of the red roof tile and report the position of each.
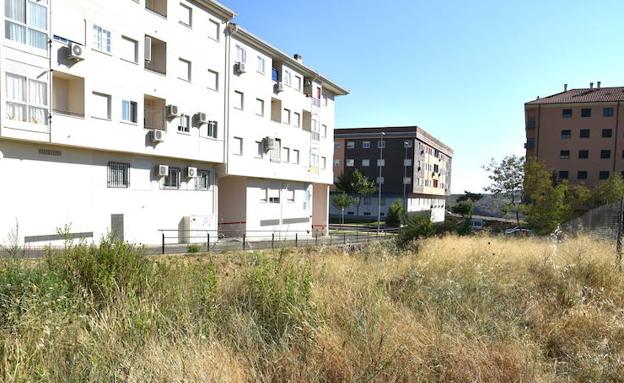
(573, 96)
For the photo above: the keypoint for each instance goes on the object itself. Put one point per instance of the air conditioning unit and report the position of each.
(172, 111)
(163, 170)
(240, 68)
(75, 52)
(279, 87)
(202, 118)
(158, 135)
(269, 143)
(191, 172)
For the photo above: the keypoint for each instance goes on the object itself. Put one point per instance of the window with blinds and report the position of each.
(118, 175)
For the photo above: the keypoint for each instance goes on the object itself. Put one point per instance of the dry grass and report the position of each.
(458, 309)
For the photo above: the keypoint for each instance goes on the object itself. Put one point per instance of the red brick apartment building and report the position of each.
(578, 133)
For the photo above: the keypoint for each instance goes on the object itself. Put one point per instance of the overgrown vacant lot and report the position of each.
(455, 310)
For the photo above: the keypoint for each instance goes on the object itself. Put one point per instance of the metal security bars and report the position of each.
(118, 175)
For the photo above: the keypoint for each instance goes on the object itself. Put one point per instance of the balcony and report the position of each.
(530, 144)
(68, 95)
(530, 123)
(157, 6)
(155, 55)
(276, 110)
(154, 113)
(316, 102)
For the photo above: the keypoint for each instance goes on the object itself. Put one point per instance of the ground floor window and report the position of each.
(172, 180)
(118, 175)
(203, 179)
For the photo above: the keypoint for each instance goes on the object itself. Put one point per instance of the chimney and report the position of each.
(591, 85)
(598, 84)
(298, 58)
(565, 87)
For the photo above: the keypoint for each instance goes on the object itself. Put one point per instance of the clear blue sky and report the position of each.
(460, 69)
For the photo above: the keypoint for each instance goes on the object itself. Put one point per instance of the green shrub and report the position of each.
(102, 270)
(193, 248)
(416, 226)
(395, 213)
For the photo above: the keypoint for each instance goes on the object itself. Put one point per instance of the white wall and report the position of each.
(71, 189)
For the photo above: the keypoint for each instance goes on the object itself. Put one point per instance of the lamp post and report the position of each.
(404, 176)
(379, 183)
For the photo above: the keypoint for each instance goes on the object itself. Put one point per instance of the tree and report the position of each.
(395, 214)
(464, 209)
(343, 201)
(609, 191)
(356, 183)
(507, 179)
(468, 196)
(416, 225)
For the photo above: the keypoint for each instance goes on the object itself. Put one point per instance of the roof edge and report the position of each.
(221, 10)
(262, 45)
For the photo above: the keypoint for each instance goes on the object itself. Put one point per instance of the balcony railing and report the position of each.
(316, 102)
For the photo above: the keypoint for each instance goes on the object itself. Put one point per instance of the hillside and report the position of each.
(489, 206)
(470, 309)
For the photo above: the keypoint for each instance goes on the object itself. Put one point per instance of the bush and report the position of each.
(416, 226)
(193, 248)
(102, 270)
(395, 212)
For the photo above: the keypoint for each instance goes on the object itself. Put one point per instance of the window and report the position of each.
(184, 69)
(27, 22)
(607, 133)
(564, 154)
(186, 15)
(336, 163)
(350, 144)
(407, 162)
(212, 129)
(239, 100)
(129, 50)
(27, 100)
(259, 107)
(286, 116)
(241, 54)
(605, 154)
(101, 106)
(563, 174)
(323, 163)
(203, 181)
(407, 144)
(297, 119)
(185, 124)
(324, 131)
(584, 133)
(286, 155)
(381, 144)
(290, 194)
(276, 153)
(566, 113)
(350, 163)
(261, 65)
(604, 175)
(380, 180)
(155, 53)
(259, 149)
(213, 80)
(172, 180)
(583, 154)
(365, 144)
(581, 175)
(365, 163)
(118, 175)
(237, 147)
(607, 112)
(101, 39)
(337, 145)
(264, 195)
(287, 78)
(586, 112)
(566, 134)
(298, 82)
(296, 156)
(274, 195)
(381, 162)
(214, 30)
(407, 180)
(129, 111)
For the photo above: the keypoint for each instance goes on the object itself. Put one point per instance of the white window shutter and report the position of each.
(148, 48)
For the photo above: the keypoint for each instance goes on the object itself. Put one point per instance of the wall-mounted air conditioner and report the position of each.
(172, 111)
(191, 172)
(278, 87)
(157, 135)
(163, 170)
(75, 52)
(240, 68)
(269, 143)
(202, 118)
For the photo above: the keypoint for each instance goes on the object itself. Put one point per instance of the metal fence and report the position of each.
(603, 222)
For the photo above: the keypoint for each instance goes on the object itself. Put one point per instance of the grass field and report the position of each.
(470, 309)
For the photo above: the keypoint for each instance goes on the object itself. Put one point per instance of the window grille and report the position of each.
(118, 175)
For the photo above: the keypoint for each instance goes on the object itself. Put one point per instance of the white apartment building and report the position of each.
(124, 122)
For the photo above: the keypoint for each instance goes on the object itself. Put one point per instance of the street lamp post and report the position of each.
(379, 183)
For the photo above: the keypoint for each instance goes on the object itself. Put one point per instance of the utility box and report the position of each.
(197, 227)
